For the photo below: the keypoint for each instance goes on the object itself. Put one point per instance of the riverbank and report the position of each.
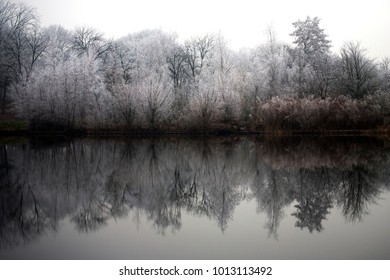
(20, 128)
(11, 126)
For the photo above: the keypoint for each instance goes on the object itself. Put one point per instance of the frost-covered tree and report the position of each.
(21, 44)
(198, 52)
(310, 38)
(155, 100)
(124, 101)
(59, 46)
(246, 86)
(87, 40)
(186, 64)
(122, 86)
(358, 75)
(180, 77)
(176, 66)
(71, 96)
(213, 100)
(23, 41)
(311, 57)
(123, 62)
(223, 73)
(204, 105)
(150, 81)
(5, 15)
(271, 64)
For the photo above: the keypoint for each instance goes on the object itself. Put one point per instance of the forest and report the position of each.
(58, 79)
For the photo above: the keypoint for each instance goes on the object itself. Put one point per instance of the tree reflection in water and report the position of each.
(95, 180)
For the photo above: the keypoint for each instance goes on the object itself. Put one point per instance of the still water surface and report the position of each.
(192, 198)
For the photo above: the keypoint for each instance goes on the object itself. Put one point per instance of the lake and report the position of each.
(239, 197)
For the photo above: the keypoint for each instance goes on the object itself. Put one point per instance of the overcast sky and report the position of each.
(242, 22)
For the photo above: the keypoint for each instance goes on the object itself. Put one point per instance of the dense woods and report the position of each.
(150, 81)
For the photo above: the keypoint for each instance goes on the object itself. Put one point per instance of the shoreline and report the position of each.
(365, 132)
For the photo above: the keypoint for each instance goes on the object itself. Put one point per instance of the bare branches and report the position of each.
(6, 11)
(177, 66)
(197, 51)
(88, 41)
(358, 71)
(85, 38)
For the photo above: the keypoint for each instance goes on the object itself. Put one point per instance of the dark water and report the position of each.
(186, 198)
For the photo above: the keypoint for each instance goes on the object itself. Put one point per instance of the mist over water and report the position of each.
(195, 198)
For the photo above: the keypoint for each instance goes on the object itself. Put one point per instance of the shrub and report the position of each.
(319, 114)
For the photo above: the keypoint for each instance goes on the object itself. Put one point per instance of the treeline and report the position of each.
(61, 79)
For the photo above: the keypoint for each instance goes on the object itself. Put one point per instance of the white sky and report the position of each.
(242, 22)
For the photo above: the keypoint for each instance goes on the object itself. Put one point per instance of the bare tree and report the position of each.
(271, 63)
(37, 44)
(6, 8)
(205, 46)
(191, 57)
(358, 75)
(22, 24)
(21, 44)
(180, 77)
(125, 60)
(120, 66)
(197, 51)
(87, 40)
(176, 66)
